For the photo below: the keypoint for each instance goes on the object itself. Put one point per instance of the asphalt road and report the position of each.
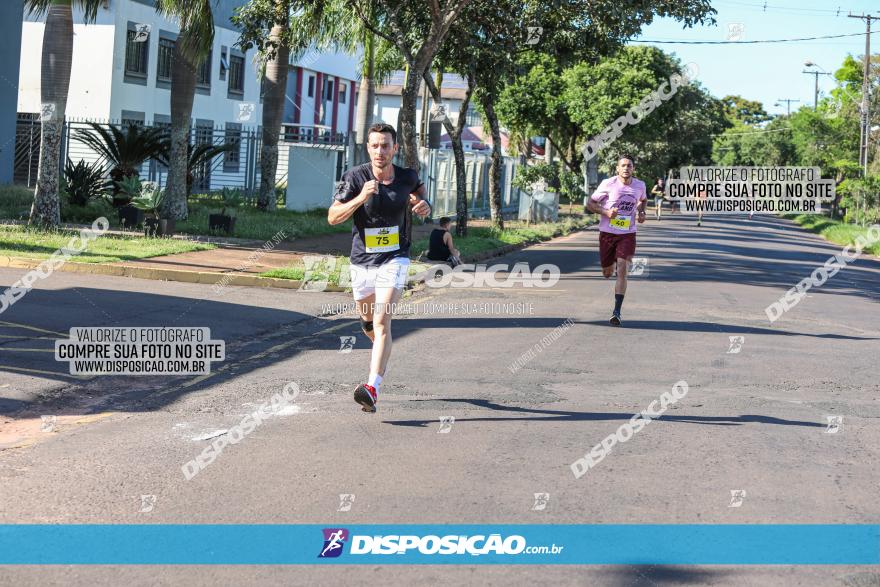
(755, 420)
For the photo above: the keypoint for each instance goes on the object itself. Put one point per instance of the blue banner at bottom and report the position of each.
(606, 544)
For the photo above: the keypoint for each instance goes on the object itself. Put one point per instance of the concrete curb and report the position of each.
(212, 277)
(205, 277)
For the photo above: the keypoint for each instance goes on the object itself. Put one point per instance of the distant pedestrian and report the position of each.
(657, 191)
(440, 246)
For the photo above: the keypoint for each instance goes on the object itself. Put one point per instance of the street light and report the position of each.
(788, 102)
(816, 74)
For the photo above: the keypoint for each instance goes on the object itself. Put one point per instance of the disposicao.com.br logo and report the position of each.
(334, 540)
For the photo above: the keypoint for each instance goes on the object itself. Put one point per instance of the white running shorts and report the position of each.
(366, 280)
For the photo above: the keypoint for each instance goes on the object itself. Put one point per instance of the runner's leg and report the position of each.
(390, 280)
(606, 254)
(386, 297)
(624, 251)
(365, 309)
(620, 284)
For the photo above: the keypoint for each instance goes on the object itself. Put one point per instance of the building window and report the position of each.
(341, 94)
(224, 62)
(311, 86)
(232, 158)
(129, 117)
(135, 55)
(328, 90)
(166, 55)
(236, 74)
(203, 75)
(473, 118)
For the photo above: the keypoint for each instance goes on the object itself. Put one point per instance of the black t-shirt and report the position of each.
(437, 249)
(380, 228)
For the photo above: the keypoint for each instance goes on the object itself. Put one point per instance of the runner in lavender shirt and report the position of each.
(620, 202)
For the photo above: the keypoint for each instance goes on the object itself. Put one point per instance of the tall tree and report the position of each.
(580, 31)
(455, 131)
(418, 29)
(737, 108)
(196, 21)
(266, 25)
(334, 25)
(57, 59)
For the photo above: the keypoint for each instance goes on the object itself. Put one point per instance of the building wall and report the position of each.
(99, 55)
(152, 100)
(388, 106)
(92, 60)
(312, 177)
(10, 44)
(339, 67)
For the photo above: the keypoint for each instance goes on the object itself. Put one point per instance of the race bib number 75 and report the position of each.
(381, 240)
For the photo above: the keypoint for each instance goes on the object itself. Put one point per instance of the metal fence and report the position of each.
(239, 168)
(438, 169)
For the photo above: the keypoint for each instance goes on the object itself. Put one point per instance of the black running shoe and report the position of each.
(615, 319)
(365, 395)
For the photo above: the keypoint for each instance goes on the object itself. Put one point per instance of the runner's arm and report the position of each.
(339, 212)
(643, 203)
(595, 203)
(417, 200)
(596, 208)
(347, 200)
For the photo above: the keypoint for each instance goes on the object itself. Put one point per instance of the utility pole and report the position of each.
(866, 98)
(788, 102)
(816, 74)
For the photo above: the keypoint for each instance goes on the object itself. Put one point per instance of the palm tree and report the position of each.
(281, 28)
(125, 151)
(193, 44)
(273, 102)
(57, 58)
(265, 24)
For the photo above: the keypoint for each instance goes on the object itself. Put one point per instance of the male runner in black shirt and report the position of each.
(378, 195)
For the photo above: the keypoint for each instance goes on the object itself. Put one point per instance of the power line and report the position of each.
(749, 42)
(754, 132)
(764, 7)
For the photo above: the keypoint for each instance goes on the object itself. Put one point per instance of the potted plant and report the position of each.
(150, 201)
(225, 220)
(129, 188)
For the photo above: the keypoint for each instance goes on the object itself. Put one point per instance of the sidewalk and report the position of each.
(238, 261)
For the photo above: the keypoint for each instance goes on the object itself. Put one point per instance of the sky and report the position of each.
(768, 72)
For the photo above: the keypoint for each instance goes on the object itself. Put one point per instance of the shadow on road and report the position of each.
(568, 416)
(641, 575)
(682, 326)
(257, 337)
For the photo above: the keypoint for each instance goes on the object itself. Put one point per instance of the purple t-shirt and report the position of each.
(613, 193)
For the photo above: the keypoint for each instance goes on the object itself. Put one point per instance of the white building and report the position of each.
(321, 94)
(117, 76)
(120, 75)
(452, 92)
